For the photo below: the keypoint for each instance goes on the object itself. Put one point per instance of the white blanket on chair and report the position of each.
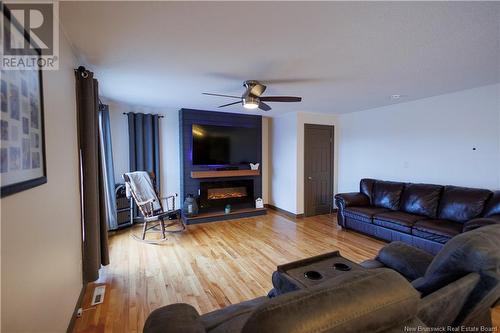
(142, 187)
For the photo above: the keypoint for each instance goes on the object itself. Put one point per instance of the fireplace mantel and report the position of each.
(224, 173)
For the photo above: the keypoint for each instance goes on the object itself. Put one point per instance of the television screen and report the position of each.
(225, 145)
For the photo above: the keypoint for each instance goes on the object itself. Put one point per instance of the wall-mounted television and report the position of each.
(224, 145)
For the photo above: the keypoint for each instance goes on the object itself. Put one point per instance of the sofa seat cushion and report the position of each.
(399, 221)
(480, 222)
(437, 230)
(364, 214)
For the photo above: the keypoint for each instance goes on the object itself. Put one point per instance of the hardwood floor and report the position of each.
(209, 266)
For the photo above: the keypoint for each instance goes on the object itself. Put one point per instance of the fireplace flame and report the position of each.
(225, 196)
(226, 193)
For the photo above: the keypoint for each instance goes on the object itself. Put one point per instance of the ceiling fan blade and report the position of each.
(209, 94)
(264, 107)
(222, 106)
(281, 99)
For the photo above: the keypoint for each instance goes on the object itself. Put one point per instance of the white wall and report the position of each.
(283, 166)
(429, 140)
(119, 138)
(169, 144)
(41, 230)
(287, 158)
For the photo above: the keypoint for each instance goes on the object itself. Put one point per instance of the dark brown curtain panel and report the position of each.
(95, 239)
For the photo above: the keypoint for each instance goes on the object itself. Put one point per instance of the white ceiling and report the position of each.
(351, 56)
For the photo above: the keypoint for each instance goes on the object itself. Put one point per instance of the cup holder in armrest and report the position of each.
(341, 267)
(313, 275)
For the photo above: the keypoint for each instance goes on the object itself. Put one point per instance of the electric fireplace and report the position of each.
(221, 193)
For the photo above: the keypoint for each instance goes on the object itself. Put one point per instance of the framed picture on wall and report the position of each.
(22, 137)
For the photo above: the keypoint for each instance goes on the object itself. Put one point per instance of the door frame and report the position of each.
(332, 165)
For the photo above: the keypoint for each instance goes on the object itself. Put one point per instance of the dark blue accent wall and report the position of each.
(188, 117)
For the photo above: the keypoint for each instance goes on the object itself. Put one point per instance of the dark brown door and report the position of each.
(318, 169)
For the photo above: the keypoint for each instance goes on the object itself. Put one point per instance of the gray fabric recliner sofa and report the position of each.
(402, 288)
(378, 300)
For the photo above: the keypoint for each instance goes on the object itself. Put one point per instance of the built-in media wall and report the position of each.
(235, 138)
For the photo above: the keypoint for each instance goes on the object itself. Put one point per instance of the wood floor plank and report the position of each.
(210, 266)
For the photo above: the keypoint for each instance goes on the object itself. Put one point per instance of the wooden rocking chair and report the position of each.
(156, 210)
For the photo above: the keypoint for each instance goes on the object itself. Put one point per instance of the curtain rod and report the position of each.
(159, 116)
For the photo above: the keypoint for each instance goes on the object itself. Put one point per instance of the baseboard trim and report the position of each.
(78, 305)
(290, 214)
(284, 212)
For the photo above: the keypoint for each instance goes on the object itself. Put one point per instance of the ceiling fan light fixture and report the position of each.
(250, 103)
(250, 106)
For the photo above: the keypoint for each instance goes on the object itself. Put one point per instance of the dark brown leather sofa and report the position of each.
(422, 215)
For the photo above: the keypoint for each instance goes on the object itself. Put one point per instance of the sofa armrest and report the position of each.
(351, 199)
(343, 200)
(480, 222)
(372, 264)
(174, 318)
(407, 260)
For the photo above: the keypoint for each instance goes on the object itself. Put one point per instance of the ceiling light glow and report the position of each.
(250, 106)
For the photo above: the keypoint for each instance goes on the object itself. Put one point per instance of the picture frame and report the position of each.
(22, 123)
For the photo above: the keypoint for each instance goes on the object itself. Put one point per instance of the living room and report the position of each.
(251, 167)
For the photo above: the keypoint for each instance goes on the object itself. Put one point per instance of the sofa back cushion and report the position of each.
(421, 199)
(358, 301)
(492, 205)
(461, 204)
(387, 194)
(366, 187)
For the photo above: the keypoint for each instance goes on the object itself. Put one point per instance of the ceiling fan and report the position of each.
(252, 97)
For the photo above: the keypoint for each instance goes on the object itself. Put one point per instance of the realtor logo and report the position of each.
(30, 35)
